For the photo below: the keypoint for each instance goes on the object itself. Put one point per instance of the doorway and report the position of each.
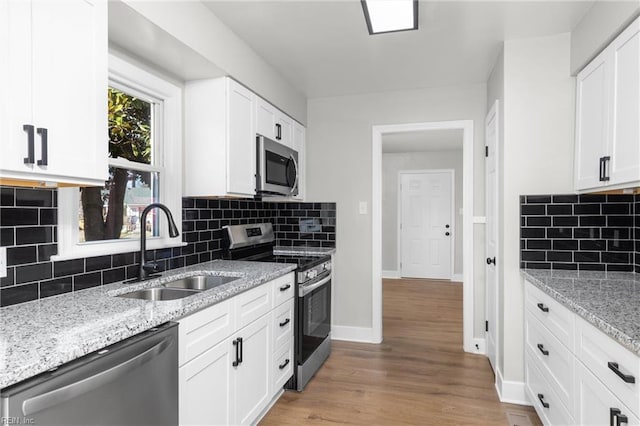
(467, 221)
(426, 225)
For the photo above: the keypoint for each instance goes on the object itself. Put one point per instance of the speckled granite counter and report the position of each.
(608, 300)
(39, 335)
(304, 251)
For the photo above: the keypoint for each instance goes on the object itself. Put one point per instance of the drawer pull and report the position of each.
(541, 398)
(616, 418)
(628, 378)
(285, 322)
(543, 350)
(285, 287)
(543, 308)
(284, 364)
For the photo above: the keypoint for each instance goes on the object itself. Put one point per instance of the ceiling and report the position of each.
(422, 141)
(323, 48)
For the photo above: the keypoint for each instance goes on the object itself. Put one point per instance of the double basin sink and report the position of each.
(180, 288)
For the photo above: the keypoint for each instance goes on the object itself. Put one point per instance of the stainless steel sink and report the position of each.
(199, 282)
(159, 293)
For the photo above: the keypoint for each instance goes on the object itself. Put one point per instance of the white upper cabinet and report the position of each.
(273, 123)
(220, 139)
(53, 115)
(607, 154)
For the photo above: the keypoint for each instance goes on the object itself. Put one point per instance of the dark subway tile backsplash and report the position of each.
(588, 232)
(28, 228)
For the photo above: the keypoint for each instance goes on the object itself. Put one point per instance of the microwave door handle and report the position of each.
(295, 182)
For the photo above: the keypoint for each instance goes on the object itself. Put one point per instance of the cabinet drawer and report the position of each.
(552, 357)
(595, 404)
(283, 288)
(252, 304)
(555, 317)
(540, 392)
(282, 324)
(204, 329)
(282, 366)
(596, 350)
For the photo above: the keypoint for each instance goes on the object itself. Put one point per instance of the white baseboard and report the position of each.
(391, 274)
(456, 278)
(352, 334)
(510, 391)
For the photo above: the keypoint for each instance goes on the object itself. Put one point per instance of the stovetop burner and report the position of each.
(303, 262)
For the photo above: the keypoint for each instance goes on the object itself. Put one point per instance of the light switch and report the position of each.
(3, 262)
(363, 207)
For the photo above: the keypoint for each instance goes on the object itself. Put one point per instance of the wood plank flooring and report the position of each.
(419, 375)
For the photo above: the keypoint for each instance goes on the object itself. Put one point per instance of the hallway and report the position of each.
(418, 375)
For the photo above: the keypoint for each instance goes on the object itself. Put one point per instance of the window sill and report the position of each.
(99, 250)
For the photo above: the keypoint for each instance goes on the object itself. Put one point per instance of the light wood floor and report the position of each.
(419, 375)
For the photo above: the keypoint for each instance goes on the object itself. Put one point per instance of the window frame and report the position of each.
(167, 158)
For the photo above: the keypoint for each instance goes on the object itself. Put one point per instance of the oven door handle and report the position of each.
(306, 289)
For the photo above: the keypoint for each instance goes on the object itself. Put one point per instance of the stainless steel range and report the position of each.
(312, 331)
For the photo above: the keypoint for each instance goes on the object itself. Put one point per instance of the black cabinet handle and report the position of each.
(31, 154)
(542, 349)
(285, 287)
(278, 131)
(491, 260)
(236, 343)
(541, 398)
(616, 417)
(44, 160)
(605, 176)
(284, 364)
(241, 348)
(542, 307)
(627, 378)
(601, 170)
(285, 322)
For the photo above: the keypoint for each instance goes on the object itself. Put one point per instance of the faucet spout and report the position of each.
(147, 269)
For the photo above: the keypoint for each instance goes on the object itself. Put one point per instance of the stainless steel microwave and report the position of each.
(277, 168)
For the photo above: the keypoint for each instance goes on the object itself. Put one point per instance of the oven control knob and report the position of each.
(311, 274)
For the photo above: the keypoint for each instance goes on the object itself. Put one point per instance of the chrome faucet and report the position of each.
(147, 269)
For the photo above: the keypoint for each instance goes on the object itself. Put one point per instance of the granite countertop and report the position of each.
(43, 334)
(304, 251)
(608, 300)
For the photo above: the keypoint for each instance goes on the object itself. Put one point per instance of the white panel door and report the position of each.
(591, 123)
(491, 294)
(426, 225)
(625, 115)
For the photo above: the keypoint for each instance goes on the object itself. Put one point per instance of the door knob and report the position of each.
(446, 233)
(491, 260)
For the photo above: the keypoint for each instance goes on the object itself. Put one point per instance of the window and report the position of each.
(145, 156)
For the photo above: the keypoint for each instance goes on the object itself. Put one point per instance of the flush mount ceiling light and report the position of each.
(387, 16)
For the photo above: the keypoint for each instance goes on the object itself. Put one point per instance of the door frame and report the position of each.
(452, 178)
(467, 222)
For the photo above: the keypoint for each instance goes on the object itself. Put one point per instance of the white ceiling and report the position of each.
(422, 141)
(323, 48)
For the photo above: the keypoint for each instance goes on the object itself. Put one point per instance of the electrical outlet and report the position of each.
(3, 262)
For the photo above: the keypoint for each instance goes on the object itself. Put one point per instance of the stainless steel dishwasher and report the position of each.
(132, 382)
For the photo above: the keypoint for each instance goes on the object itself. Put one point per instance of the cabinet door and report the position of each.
(15, 70)
(206, 387)
(265, 119)
(625, 112)
(253, 375)
(591, 123)
(241, 140)
(595, 402)
(299, 145)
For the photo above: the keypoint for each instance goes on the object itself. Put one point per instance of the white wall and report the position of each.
(537, 149)
(195, 26)
(392, 164)
(339, 139)
(602, 23)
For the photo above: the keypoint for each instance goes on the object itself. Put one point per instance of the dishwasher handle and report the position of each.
(73, 390)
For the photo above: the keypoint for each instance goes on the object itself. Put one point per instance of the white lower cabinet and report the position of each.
(582, 378)
(229, 363)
